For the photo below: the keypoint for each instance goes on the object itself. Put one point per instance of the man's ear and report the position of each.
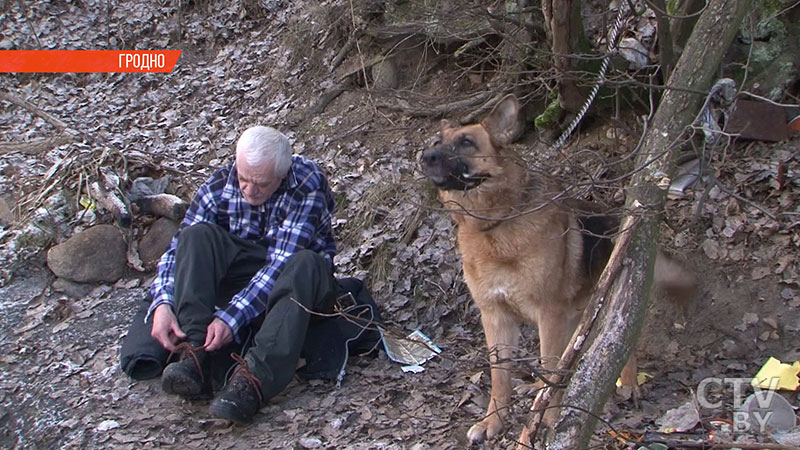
(503, 123)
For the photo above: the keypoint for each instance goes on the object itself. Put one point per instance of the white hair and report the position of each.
(260, 144)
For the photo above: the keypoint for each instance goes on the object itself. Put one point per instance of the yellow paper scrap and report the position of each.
(87, 203)
(641, 378)
(777, 375)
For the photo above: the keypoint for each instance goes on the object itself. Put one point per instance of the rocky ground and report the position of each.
(244, 64)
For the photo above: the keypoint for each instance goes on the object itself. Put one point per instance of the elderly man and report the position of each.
(256, 244)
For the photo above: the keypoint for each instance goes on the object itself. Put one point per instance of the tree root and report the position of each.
(439, 110)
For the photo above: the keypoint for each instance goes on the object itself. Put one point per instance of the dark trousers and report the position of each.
(212, 265)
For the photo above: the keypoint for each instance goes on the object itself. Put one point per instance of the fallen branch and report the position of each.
(36, 146)
(296, 117)
(328, 96)
(109, 200)
(33, 109)
(480, 112)
(345, 81)
(431, 32)
(30, 25)
(362, 68)
(40, 145)
(166, 205)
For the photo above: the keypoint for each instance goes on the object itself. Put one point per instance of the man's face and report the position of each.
(257, 183)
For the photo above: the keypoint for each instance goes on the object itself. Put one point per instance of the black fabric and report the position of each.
(210, 261)
(141, 356)
(305, 287)
(331, 340)
(325, 350)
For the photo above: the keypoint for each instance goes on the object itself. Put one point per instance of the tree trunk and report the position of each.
(514, 48)
(666, 55)
(563, 32)
(599, 367)
(685, 16)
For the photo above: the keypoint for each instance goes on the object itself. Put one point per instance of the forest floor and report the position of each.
(60, 381)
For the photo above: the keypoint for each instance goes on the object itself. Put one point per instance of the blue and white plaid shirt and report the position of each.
(296, 217)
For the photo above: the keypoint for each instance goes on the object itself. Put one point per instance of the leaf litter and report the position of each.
(60, 355)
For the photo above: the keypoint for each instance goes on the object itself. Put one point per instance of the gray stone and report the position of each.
(72, 288)
(95, 255)
(155, 242)
(385, 75)
(771, 52)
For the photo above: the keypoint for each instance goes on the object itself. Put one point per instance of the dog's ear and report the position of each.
(503, 122)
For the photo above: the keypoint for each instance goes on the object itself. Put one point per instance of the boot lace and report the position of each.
(185, 349)
(243, 369)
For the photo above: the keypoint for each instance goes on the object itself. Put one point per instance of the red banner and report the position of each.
(85, 61)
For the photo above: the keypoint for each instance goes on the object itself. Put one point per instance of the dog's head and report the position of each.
(465, 156)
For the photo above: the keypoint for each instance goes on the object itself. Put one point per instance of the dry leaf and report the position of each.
(711, 248)
(750, 318)
(771, 321)
(760, 272)
(464, 398)
(476, 377)
(784, 262)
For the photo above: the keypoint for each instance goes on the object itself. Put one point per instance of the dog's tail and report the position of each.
(674, 281)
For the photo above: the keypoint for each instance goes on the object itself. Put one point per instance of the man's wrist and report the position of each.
(164, 304)
(154, 306)
(223, 317)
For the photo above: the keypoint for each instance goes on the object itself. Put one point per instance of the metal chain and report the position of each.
(612, 44)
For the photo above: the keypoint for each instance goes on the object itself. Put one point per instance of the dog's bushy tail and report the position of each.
(674, 280)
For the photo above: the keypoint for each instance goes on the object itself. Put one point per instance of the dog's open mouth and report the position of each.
(449, 172)
(461, 182)
(473, 180)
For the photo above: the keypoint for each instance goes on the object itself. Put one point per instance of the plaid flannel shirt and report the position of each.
(297, 216)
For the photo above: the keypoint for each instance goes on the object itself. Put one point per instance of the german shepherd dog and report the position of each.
(527, 258)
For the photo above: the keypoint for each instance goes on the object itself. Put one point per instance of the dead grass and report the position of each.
(372, 208)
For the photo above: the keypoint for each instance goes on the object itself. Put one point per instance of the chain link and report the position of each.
(611, 48)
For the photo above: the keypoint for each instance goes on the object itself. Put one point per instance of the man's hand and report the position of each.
(165, 327)
(218, 335)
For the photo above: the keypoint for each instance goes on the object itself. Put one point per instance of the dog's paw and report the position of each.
(488, 428)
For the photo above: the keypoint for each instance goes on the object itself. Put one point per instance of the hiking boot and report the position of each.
(190, 376)
(241, 399)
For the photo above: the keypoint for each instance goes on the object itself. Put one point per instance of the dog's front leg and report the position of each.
(502, 337)
(556, 324)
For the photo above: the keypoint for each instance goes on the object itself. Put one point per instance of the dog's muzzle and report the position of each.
(447, 171)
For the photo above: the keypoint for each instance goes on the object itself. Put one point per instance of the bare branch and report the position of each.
(33, 109)
(35, 147)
